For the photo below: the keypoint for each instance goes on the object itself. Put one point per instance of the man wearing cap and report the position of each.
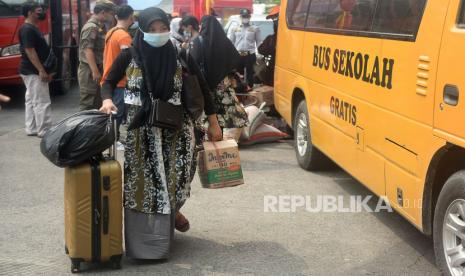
(91, 46)
(246, 38)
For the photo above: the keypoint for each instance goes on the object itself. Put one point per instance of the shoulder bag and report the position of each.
(162, 114)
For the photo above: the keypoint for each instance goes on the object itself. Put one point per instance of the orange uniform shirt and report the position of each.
(115, 40)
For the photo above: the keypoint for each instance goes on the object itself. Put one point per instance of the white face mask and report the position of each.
(156, 40)
(245, 21)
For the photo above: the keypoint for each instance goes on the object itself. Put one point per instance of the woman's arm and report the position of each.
(117, 72)
(214, 131)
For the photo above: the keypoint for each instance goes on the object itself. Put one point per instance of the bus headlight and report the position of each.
(10, 51)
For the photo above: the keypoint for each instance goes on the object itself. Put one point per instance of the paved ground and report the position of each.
(230, 234)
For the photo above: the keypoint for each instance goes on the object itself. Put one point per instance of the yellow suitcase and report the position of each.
(94, 212)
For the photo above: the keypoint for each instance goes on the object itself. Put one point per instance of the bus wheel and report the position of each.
(449, 226)
(309, 157)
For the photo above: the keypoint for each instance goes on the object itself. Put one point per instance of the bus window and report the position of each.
(297, 13)
(7, 9)
(343, 15)
(319, 11)
(12, 8)
(461, 19)
(363, 14)
(398, 16)
(351, 15)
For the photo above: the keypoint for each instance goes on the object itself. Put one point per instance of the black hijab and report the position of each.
(214, 51)
(158, 64)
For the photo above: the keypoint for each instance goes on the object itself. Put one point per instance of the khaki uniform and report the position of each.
(92, 37)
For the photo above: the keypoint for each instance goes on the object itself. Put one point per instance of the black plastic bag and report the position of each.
(78, 138)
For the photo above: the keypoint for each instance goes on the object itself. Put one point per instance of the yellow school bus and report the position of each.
(375, 86)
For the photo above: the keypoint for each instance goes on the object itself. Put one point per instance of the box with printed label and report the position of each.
(220, 165)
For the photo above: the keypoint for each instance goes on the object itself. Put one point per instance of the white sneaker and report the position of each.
(119, 146)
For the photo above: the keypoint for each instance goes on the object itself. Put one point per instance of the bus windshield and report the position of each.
(10, 8)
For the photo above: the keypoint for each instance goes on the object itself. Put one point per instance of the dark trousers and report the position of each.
(248, 63)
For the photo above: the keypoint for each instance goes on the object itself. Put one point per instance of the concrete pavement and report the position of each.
(230, 232)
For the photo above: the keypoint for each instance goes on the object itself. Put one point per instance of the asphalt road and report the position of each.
(230, 232)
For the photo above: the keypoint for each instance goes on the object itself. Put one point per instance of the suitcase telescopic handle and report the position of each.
(113, 147)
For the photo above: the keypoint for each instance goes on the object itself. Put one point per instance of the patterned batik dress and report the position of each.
(231, 114)
(159, 162)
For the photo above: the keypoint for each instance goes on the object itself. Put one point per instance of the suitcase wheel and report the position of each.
(116, 263)
(75, 266)
(66, 250)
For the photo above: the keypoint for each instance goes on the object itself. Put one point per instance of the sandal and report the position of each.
(181, 223)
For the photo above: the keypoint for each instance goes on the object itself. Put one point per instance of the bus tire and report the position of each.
(449, 214)
(308, 156)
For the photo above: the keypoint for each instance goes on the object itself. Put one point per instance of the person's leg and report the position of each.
(42, 106)
(125, 115)
(118, 100)
(251, 60)
(97, 97)
(87, 88)
(30, 123)
(241, 65)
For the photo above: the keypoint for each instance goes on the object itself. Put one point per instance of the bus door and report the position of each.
(66, 21)
(290, 48)
(449, 108)
(413, 44)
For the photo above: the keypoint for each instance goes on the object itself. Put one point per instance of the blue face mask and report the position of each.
(156, 40)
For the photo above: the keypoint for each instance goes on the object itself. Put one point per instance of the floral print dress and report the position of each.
(231, 114)
(159, 163)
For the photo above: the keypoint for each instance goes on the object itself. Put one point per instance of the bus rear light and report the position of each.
(11, 50)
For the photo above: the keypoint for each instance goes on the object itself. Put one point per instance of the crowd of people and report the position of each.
(128, 67)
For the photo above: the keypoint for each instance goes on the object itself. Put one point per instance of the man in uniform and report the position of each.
(91, 46)
(246, 38)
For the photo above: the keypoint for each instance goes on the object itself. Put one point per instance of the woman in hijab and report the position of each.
(159, 162)
(176, 38)
(217, 57)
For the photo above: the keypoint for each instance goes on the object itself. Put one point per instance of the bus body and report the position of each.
(61, 29)
(10, 22)
(374, 85)
(223, 8)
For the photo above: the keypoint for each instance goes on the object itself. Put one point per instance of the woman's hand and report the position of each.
(108, 106)
(214, 131)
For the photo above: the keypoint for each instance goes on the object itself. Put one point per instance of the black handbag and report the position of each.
(191, 94)
(165, 115)
(161, 114)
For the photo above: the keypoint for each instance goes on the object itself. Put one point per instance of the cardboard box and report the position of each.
(220, 165)
(264, 94)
